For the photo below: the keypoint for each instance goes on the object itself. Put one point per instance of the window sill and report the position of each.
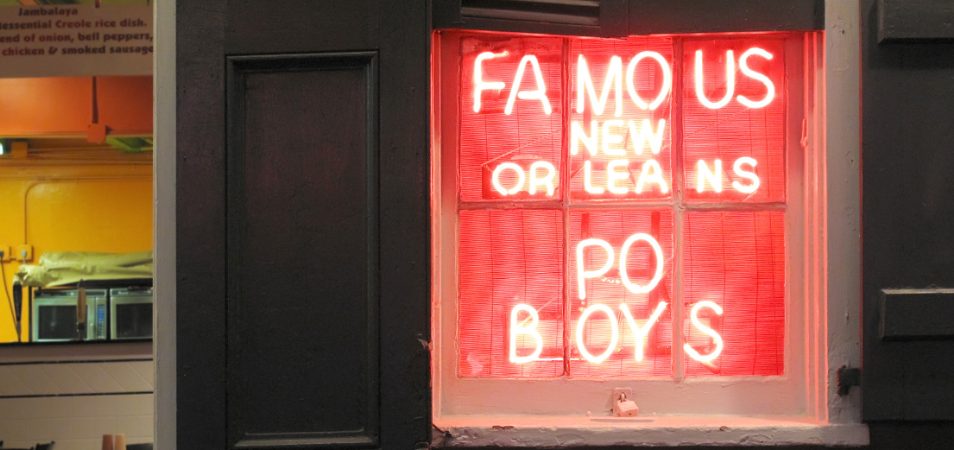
(570, 431)
(74, 350)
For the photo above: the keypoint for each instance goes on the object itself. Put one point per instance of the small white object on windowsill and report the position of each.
(624, 407)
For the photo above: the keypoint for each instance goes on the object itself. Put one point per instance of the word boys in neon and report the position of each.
(525, 320)
(608, 143)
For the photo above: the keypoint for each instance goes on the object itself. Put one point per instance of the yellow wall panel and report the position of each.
(94, 208)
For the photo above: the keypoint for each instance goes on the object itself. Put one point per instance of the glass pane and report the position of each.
(619, 135)
(57, 322)
(734, 120)
(511, 118)
(510, 316)
(134, 320)
(621, 291)
(734, 286)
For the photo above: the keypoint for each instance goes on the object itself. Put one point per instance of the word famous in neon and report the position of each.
(620, 155)
(524, 320)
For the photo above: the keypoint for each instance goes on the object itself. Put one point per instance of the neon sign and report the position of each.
(629, 199)
(615, 138)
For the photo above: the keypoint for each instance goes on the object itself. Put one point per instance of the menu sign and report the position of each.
(76, 40)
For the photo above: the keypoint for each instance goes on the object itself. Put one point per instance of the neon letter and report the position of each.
(729, 81)
(705, 329)
(623, 272)
(747, 174)
(640, 333)
(495, 178)
(617, 170)
(546, 179)
(646, 135)
(578, 134)
(588, 179)
(479, 84)
(653, 173)
(613, 80)
(667, 80)
(581, 273)
(614, 334)
(704, 175)
(518, 328)
(769, 86)
(611, 139)
(539, 94)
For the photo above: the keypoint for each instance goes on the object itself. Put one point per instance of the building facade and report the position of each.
(316, 232)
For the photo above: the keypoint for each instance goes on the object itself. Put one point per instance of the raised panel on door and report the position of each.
(302, 250)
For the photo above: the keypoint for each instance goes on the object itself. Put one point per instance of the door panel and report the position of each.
(303, 295)
(907, 212)
(302, 306)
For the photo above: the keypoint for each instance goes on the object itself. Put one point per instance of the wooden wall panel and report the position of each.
(915, 20)
(302, 250)
(908, 243)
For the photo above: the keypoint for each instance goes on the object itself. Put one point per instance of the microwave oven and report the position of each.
(69, 315)
(130, 313)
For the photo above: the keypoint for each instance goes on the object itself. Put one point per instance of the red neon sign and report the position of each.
(583, 280)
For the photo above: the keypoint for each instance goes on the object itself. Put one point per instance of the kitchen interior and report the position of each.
(76, 237)
(76, 365)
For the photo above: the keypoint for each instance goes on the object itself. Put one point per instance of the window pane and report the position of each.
(620, 91)
(743, 125)
(736, 260)
(621, 289)
(523, 147)
(511, 290)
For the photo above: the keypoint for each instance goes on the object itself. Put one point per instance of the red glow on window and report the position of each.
(508, 258)
(718, 139)
(620, 122)
(615, 227)
(491, 137)
(736, 259)
(570, 285)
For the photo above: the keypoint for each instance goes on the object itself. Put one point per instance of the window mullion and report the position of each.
(565, 196)
(676, 152)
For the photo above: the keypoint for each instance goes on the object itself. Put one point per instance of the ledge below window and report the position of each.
(569, 431)
(73, 351)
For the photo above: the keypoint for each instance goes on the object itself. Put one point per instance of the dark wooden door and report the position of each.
(302, 224)
(908, 211)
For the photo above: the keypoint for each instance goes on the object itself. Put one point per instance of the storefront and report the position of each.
(550, 224)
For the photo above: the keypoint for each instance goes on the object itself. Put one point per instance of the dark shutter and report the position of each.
(908, 209)
(302, 204)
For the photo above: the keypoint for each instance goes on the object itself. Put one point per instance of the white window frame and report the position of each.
(484, 412)
(164, 223)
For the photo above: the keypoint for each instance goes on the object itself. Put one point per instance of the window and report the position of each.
(636, 213)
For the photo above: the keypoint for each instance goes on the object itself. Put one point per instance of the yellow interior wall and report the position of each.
(85, 207)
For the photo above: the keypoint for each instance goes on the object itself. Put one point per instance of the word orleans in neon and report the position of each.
(608, 143)
(525, 319)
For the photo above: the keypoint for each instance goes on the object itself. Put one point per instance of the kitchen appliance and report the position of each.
(69, 315)
(130, 313)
